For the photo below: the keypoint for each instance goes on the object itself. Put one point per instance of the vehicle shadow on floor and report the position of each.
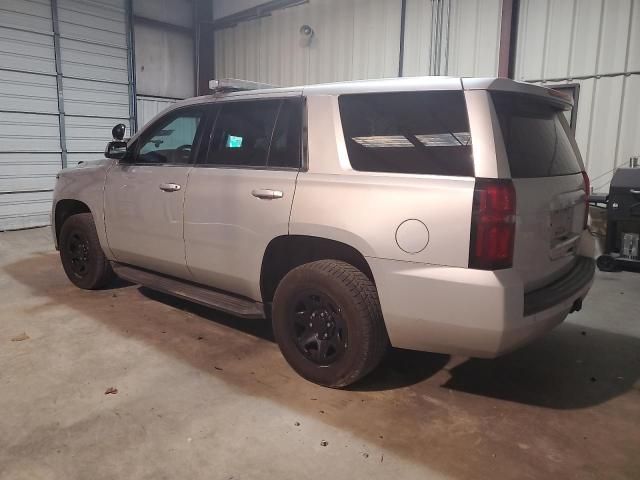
(570, 368)
(400, 368)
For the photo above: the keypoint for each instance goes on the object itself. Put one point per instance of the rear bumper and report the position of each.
(471, 312)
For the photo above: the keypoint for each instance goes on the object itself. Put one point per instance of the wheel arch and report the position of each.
(64, 209)
(286, 252)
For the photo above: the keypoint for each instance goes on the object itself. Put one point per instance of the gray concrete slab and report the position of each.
(205, 395)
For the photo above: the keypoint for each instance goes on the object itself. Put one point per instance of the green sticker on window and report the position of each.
(234, 142)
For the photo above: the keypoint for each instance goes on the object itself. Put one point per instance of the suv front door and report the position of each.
(241, 191)
(144, 194)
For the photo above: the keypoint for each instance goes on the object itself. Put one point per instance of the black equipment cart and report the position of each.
(622, 244)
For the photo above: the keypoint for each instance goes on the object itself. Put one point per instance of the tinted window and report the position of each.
(242, 133)
(536, 137)
(408, 132)
(285, 146)
(170, 141)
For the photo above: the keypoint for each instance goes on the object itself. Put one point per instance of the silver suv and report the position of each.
(438, 214)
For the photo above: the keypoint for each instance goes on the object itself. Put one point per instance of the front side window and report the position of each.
(285, 148)
(408, 132)
(242, 133)
(171, 141)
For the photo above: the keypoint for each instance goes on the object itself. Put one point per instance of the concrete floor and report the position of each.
(205, 395)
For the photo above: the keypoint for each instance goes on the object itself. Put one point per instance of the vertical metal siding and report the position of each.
(93, 52)
(149, 107)
(474, 38)
(595, 43)
(94, 70)
(417, 38)
(29, 134)
(352, 39)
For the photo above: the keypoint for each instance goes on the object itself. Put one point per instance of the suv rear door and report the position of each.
(550, 186)
(241, 190)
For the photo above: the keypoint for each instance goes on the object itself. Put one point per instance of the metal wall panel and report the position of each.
(594, 43)
(164, 62)
(24, 210)
(27, 92)
(93, 51)
(175, 12)
(16, 46)
(352, 39)
(94, 79)
(474, 38)
(417, 38)
(29, 133)
(30, 15)
(149, 107)
(27, 172)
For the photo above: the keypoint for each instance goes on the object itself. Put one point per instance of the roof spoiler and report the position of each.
(227, 85)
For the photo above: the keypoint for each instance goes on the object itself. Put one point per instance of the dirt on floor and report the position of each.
(131, 383)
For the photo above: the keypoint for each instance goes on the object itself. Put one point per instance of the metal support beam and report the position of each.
(131, 67)
(58, 63)
(508, 38)
(203, 42)
(403, 21)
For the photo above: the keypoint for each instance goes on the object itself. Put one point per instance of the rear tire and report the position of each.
(606, 263)
(328, 323)
(82, 257)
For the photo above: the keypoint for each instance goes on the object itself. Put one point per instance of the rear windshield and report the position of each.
(536, 137)
(408, 132)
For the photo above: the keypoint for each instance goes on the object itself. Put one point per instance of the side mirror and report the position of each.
(117, 132)
(116, 149)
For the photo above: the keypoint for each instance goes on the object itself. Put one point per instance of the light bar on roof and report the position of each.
(234, 85)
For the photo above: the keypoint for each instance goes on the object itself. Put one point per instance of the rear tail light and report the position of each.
(587, 191)
(493, 225)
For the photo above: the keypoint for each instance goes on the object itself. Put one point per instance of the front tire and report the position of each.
(82, 257)
(328, 323)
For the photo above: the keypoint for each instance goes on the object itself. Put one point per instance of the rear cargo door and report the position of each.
(550, 187)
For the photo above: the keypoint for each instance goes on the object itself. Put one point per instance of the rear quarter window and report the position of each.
(536, 137)
(408, 132)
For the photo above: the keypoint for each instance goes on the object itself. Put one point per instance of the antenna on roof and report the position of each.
(227, 85)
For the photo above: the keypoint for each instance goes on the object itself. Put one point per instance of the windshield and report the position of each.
(536, 137)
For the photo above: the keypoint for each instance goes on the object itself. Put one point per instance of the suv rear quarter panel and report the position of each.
(365, 209)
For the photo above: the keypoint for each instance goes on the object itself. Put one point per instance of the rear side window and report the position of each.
(536, 137)
(408, 132)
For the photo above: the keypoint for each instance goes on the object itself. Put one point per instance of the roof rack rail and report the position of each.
(227, 85)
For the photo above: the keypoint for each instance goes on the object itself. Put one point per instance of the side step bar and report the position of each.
(224, 302)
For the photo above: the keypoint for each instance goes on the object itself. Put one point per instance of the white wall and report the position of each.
(353, 39)
(164, 62)
(595, 43)
(164, 54)
(356, 39)
(223, 8)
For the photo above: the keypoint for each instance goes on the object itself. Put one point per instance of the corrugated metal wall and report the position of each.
(93, 50)
(29, 133)
(469, 43)
(149, 107)
(164, 51)
(94, 88)
(595, 43)
(352, 39)
(355, 39)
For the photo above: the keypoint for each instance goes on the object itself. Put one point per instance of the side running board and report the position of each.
(224, 302)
